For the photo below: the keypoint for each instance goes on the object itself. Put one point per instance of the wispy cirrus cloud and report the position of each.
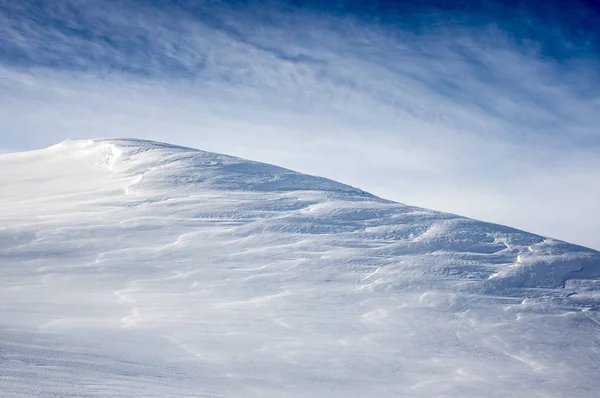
(464, 115)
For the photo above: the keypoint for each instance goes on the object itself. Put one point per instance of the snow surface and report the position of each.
(138, 268)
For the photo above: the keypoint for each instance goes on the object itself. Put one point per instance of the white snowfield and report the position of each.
(134, 268)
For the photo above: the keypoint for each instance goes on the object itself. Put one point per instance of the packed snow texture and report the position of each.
(134, 268)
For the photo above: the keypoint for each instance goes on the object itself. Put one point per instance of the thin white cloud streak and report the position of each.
(472, 125)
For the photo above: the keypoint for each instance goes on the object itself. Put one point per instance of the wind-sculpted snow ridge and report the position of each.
(134, 268)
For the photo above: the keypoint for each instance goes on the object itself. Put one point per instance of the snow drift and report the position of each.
(138, 268)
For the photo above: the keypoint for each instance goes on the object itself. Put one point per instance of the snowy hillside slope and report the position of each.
(134, 268)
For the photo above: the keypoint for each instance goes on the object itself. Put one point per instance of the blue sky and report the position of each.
(485, 109)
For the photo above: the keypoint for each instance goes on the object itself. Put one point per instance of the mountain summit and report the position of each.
(139, 268)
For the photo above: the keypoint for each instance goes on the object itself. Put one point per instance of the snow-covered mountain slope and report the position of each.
(138, 268)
